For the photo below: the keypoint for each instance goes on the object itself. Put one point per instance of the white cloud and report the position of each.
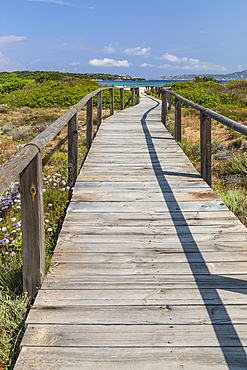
(189, 64)
(106, 62)
(240, 67)
(205, 66)
(146, 65)
(164, 66)
(111, 48)
(173, 58)
(11, 38)
(201, 66)
(74, 63)
(194, 61)
(138, 51)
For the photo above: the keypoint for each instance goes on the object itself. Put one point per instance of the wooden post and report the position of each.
(99, 108)
(137, 95)
(132, 89)
(89, 132)
(32, 219)
(169, 98)
(121, 98)
(163, 107)
(205, 134)
(177, 119)
(111, 91)
(72, 150)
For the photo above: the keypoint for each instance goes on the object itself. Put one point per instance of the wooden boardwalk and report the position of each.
(150, 269)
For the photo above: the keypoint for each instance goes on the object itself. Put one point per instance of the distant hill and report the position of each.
(227, 77)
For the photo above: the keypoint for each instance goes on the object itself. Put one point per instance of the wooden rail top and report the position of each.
(11, 170)
(205, 125)
(27, 164)
(239, 127)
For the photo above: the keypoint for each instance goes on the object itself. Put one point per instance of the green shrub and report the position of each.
(237, 164)
(191, 149)
(59, 93)
(11, 273)
(12, 314)
(8, 86)
(236, 201)
(225, 99)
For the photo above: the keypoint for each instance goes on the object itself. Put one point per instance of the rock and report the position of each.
(222, 155)
(26, 109)
(232, 179)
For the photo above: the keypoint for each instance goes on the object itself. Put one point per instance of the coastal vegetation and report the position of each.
(229, 148)
(27, 106)
(82, 76)
(52, 90)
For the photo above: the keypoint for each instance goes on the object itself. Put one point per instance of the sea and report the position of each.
(136, 83)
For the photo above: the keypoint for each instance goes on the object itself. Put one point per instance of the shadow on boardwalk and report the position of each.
(226, 334)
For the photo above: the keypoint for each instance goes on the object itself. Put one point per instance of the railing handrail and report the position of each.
(10, 170)
(205, 125)
(27, 164)
(239, 127)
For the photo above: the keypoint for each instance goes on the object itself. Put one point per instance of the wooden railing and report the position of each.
(27, 164)
(205, 125)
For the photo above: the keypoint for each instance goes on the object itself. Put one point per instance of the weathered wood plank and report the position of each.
(160, 296)
(152, 207)
(177, 120)
(32, 217)
(138, 315)
(147, 256)
(137, 177)
(111, 92)
(205, 139)
(188, 218)
(163, 268)
(131, 336)
(128, 185)
(168, 246)
(151, 281)
(64, 358)
(99, 109)
(89, 123)
(77, 229)
(72, 150)
(183, 240)
(138, 195)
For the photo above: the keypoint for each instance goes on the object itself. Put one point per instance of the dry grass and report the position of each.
(229, 152)
(19, 125)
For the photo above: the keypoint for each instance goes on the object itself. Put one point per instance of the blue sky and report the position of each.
(148, 38)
